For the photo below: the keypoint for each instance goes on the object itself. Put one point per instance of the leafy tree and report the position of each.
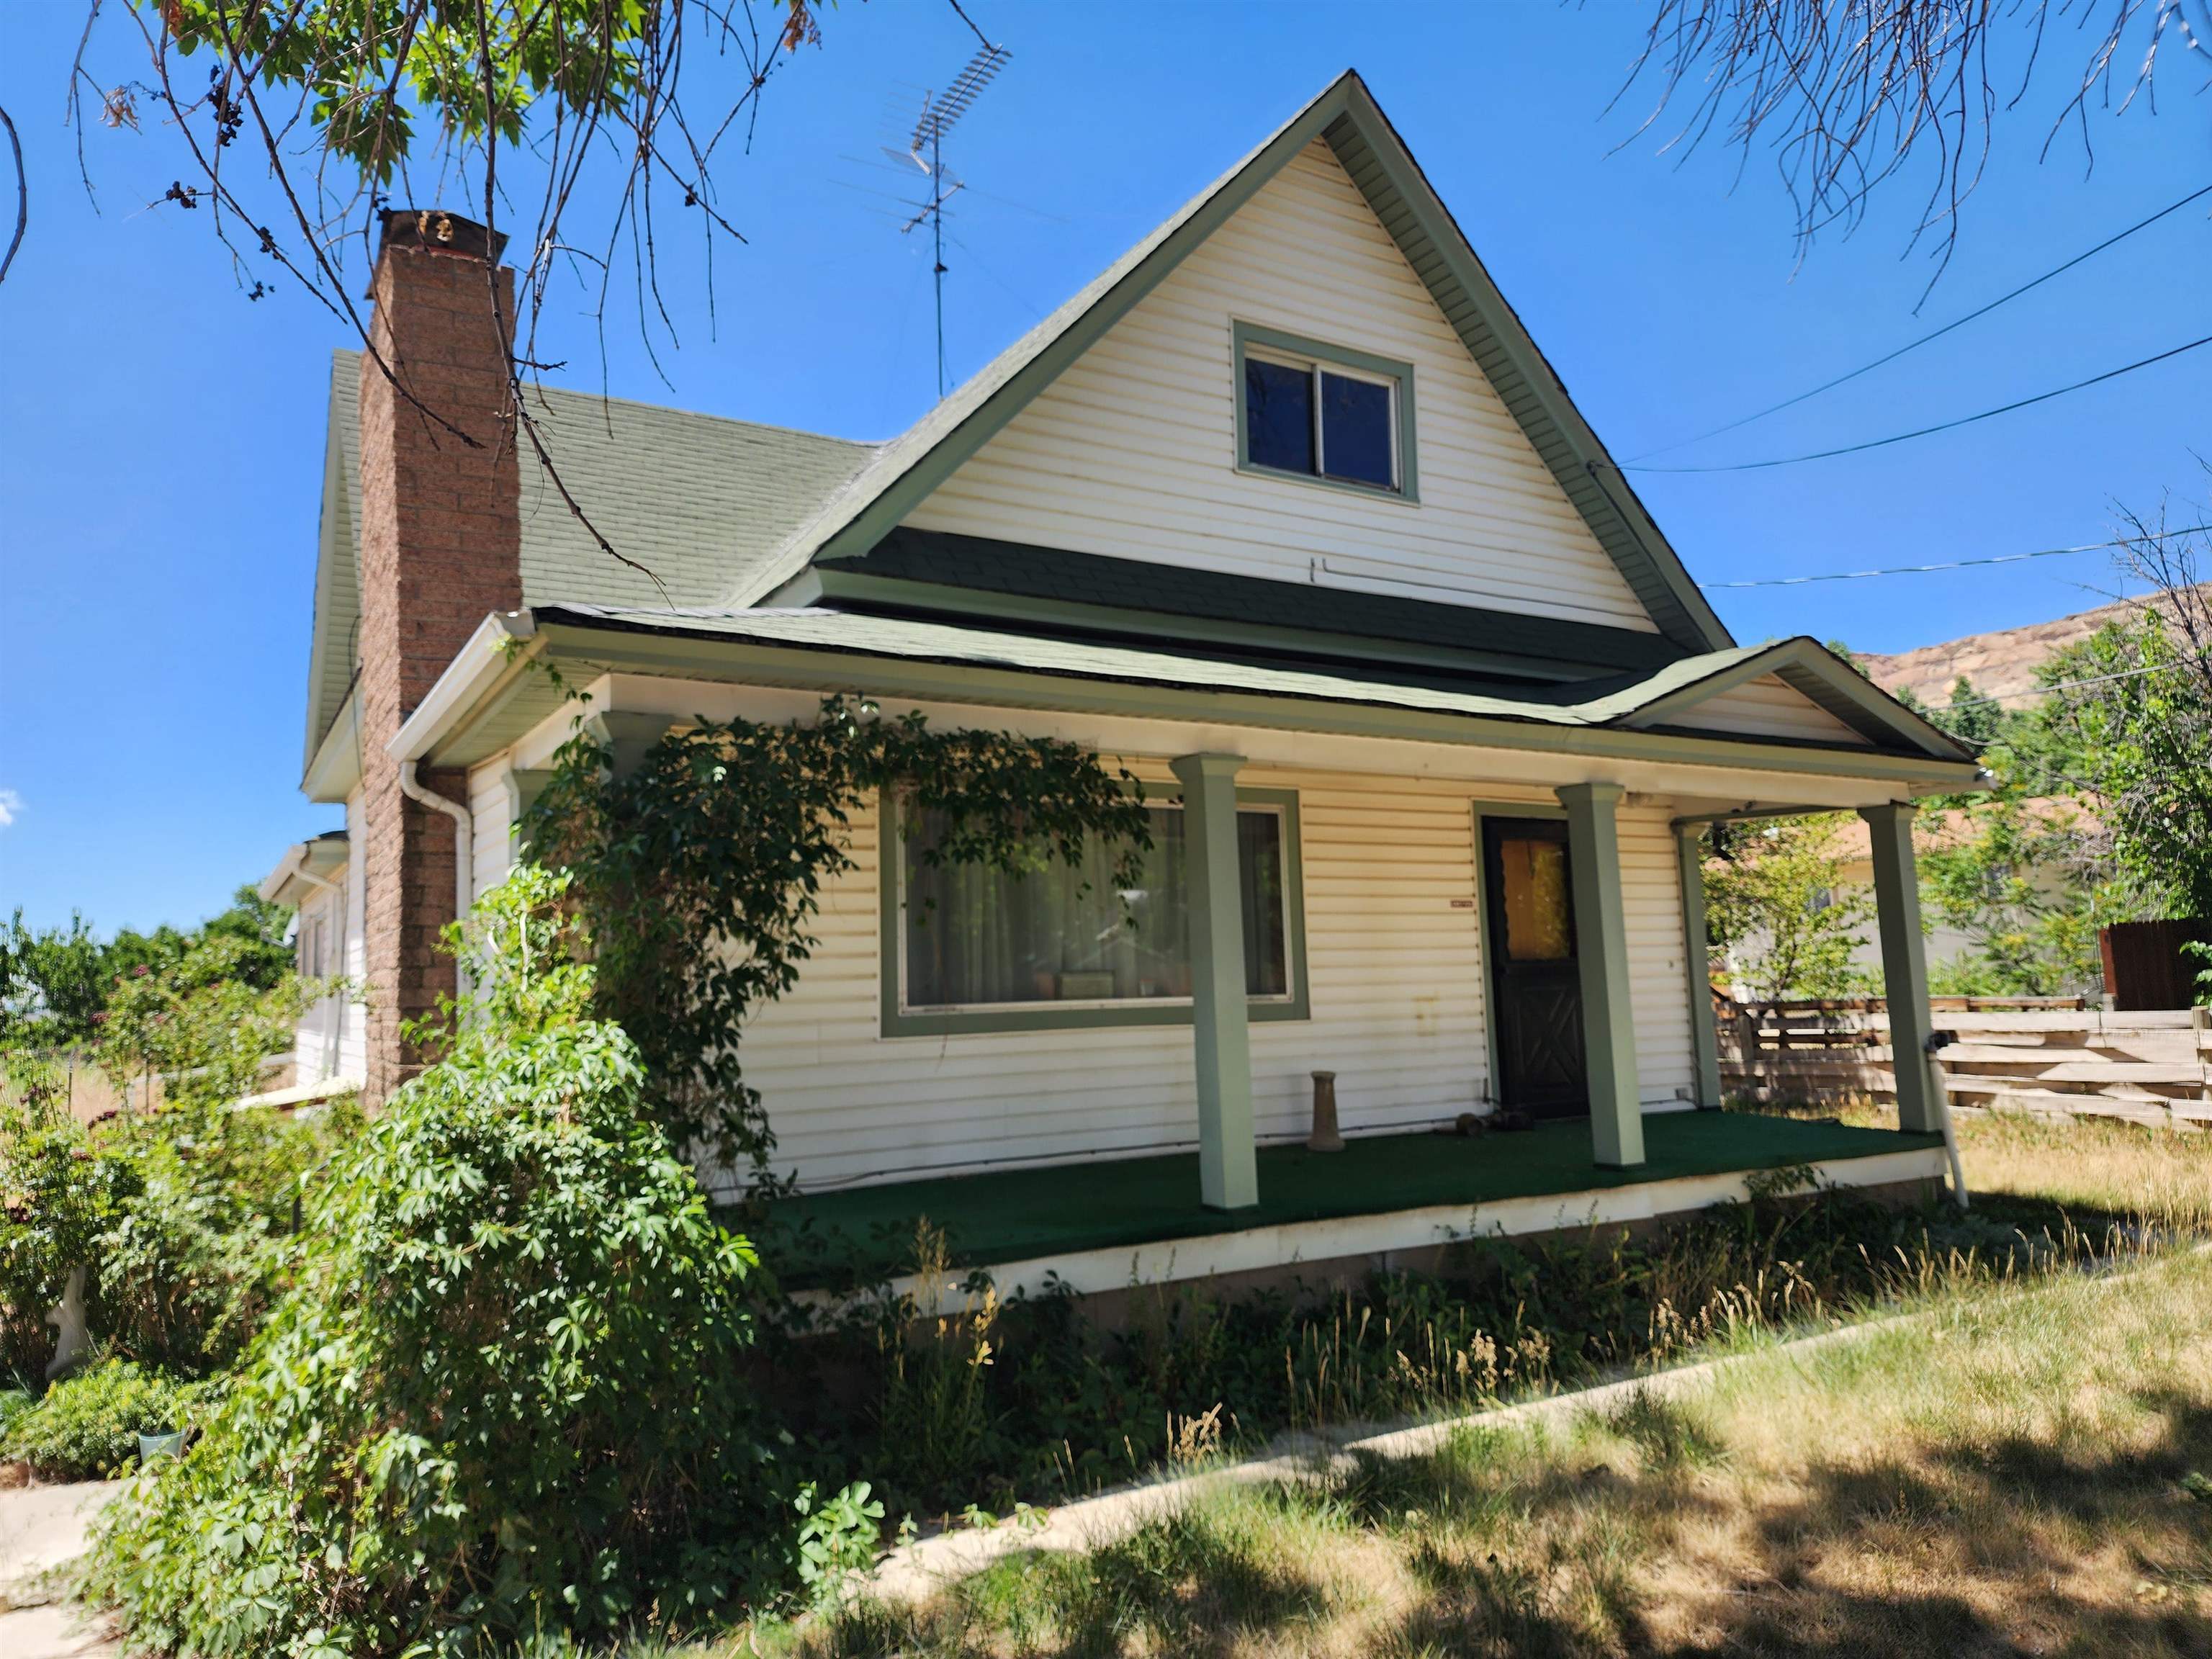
(1781, 907)
(504, 1393)
(2132, 706)
(2008, 873)
(297, 125)
(56, 983)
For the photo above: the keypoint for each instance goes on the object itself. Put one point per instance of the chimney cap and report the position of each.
(440, 232)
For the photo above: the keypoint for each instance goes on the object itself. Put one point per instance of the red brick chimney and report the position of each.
(440, 547)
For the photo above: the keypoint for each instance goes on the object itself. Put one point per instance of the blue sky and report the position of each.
(160, 438)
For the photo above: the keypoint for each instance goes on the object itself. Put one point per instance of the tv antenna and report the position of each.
(940, 112)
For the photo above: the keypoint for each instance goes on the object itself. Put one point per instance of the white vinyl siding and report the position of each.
(1396, 977)
(491, 840)
(1767, 708)
(353, 1028)
(331, 1036)
(1131, 452)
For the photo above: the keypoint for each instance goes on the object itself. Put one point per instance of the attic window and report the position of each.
(1323, 413)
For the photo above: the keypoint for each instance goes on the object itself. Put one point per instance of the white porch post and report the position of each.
(1904, 960)
(1228, 1169)
(1704, 1040)
(1601, 956)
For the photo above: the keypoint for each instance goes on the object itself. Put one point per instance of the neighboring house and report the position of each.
(1286, 511)
(1851, 844)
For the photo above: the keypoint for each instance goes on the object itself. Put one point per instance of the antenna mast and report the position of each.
(926, 149)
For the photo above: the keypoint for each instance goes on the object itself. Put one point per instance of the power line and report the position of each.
(1941, 426)
(1936, 334)
(1958, 564)
(2045, 690)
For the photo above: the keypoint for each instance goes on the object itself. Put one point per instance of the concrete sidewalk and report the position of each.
(43, 1528)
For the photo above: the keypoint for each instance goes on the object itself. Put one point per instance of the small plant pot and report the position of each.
(151, 1446)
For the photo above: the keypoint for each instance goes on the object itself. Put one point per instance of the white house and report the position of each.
(1286, 511)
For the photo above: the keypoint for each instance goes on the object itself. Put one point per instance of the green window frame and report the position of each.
(899, 1021)
(1275, 345)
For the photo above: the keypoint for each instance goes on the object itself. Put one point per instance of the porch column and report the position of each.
(1228, 1171)
(1904, 959)
(1601, 955)
(1704, 1040)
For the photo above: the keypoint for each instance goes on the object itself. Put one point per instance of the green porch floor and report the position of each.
(1019, 1215)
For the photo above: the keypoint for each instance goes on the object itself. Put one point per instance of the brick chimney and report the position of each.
(440, 547)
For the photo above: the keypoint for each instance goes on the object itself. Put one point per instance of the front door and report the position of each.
(1535, 987)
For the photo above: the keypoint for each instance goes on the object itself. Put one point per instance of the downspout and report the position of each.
(338, 1017)
(464, 854)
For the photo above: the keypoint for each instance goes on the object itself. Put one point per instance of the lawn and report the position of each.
(2015, 1469)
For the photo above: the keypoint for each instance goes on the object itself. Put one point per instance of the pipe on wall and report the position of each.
(464, 856)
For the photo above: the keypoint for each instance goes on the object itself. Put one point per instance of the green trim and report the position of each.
(1379, 162)
(1243, 334)
(898, 1021)
(1704, 1040)
(1601, 956)
(1823, 679)
(1904, 961)
(978, 415)
(1376, 158)
(1221, 1038)
(846, 589)
(720, 655)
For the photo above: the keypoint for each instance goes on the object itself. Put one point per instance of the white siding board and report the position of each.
(491, 840)
(1394, 970)
(1130, 451)
(1767, 707)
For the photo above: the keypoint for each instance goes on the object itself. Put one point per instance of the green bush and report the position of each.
(502, 1393)
(191, 1262)
(59, 1192)
(87, 1427)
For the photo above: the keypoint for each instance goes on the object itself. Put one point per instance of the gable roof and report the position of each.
(694, 498)
(1345, 116)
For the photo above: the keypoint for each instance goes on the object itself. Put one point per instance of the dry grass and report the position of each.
(2009, 1473)
(2017, 1468)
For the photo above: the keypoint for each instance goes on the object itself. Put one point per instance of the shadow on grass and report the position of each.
(1861, 1562)
(1498, 1546)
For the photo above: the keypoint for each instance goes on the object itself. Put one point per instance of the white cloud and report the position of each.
(11, 803)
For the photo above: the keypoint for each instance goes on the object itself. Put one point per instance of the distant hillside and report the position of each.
(1998, 663)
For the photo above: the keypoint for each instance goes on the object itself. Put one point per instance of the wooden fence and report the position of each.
(2051, 1056)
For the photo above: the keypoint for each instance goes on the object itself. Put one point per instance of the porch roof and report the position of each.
(1020, 1215)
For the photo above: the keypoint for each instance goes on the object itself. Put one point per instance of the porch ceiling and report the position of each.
(1020, 1215)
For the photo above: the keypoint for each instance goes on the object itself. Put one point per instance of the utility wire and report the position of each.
(1937, 334)
(1957, 564)
(2044, 690)
(1941, 426)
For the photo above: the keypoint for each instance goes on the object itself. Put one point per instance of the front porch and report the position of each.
(1106, 1224)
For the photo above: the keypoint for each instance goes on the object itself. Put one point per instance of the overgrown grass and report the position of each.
(2026, 1466)
(1030, 1402)
(2017, 1471)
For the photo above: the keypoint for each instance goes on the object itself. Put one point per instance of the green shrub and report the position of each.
(87, 1427)
(502, 1394)
(59, 1192)
(191, 1262)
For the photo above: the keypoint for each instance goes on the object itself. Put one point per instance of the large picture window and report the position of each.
(1327, 414)
(974, 948)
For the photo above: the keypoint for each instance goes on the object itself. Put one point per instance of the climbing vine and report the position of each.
(700, 870)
